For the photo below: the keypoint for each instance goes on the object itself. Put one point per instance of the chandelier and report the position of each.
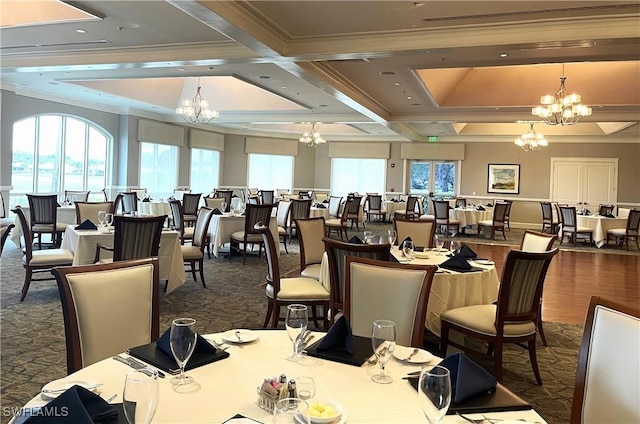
(531, 141)
(562, 108)
(313, 138)
(196, 110)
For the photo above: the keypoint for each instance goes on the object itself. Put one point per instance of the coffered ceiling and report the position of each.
(367, 70)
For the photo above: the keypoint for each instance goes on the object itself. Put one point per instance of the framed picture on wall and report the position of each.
(503, 178)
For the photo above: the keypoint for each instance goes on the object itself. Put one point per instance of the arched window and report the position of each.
(53, 153)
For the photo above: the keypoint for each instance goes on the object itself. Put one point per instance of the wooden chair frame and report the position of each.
(124, 237)
(254, 214)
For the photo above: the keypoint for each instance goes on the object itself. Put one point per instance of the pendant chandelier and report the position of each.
(531, 141)
(312, 138)
(562, 108)
(196, 110)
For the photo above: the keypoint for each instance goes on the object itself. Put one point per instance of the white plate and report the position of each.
(421, 255)
(246, 336)
(57, 387)
(483, 262)
(402, 352)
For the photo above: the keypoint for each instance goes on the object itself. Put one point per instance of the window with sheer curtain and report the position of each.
(158, 169)
(270, 172)
(357, 175)
(205, 170)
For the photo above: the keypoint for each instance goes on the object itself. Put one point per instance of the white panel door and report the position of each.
(584, 180)
(567, 183)
(599, 184)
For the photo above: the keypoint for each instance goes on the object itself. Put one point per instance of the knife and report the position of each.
(137, 365)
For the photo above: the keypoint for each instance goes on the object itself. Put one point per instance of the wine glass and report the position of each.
(306, 387)
(183, 342)
(101, 218)
(438, 241)
(223, 205)
(407, 249)
(383, 341)
(454, 246)
(434, 392)
(368, 237)
(291, 410)
(296, 324)
(391, 235)
(108, 220)
(140, 396)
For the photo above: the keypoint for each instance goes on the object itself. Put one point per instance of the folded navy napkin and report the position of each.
(609, 215)
(480, 208)
(467, 252)
(202, 346)
(325, 201)
(217, 211)
(146, 199)
(339, 336)
(87, 225)
(395, 200)
(490, 205)
(235, 195)
(467, 377)
(586, 212)
(321, 206)
(356, 240)
(76, 405)
(456, 263)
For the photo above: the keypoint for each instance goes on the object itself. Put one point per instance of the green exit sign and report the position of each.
(433, 138)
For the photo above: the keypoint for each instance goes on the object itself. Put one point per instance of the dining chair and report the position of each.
(334, 206)
(305, 194)
(410, 211)
(629, 233)
(227, 195)
(507, 214)
(77, 195)
(497, 223)
(127, 201)
(141, 193)
(253, 200)
(461, 202)
(605, 209)
(214, 202)
(89, 210)
(353, 212)
(39, 261)
(373, 206)
(108, 308)
(548, 221)
(535, 242)
(280, 192)
(4, 234)
(300, 209)
(190, 205)
(397, 292)
(253, 215)
(282, 217)
(193, 254)
(338, 225)
(441, 212)
(286, 291)
(512, 319)
(570, 226)
(267, 197)
(337, 251)
(607, 387)
(421, 231)
(43, 214)
(310, 234)
(4, 220)
(177, 215)
(133, 238)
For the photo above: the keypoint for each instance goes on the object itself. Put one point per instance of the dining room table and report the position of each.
(228, 388)
(154, 208)
(470, 216)
(66, 214)
(390, 207)
(600, 225)
(83, 245)
(224, 225)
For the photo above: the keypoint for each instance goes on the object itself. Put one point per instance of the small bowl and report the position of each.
(337, 409)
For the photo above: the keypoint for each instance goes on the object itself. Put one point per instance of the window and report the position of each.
(432, 176)
(53, 153)
(357, 175)
(205, 170)
(270, 172)
(158, 169)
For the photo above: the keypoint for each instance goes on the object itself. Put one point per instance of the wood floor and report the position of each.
(574, 277)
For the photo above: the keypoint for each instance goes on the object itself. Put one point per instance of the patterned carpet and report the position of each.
(33, 350)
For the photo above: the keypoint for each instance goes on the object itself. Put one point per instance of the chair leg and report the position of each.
(193, 270)
(497, 358)
(201, 265)
(269, 311)
(444, 338)
(534, 360)
(27, 282)
(275, 315)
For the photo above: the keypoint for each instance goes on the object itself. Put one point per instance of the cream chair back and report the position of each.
(89, 210)
(310, 233)
(421, 232)
(282, 213)
(214, 202)
(385, 290)
(623, 212)
(108, 308)
(533, 241)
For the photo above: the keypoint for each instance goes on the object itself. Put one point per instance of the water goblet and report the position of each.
(439, 242)
(407, 249)
(368, 237)
(383, 341)
(306, 387)
(434, 392)
(101, 218)
(223, 205)
(454, 246)
(391, 236)
(140, 396)
(296, 323)
(108, 220)
(183, 341)
(291, 410)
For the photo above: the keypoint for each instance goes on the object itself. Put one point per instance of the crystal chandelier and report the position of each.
(196, 110)
(562, 108)
(531, 141)
(313, 138)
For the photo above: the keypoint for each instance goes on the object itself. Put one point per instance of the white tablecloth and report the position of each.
(449, 290)
(470, 216)
(390, 207)
(600, 225)
(83, 245)
(222, 227)
(319, 212)
(154, 208)
(66, 215)
(228, 387)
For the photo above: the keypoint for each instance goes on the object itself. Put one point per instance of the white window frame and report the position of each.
(338, 191)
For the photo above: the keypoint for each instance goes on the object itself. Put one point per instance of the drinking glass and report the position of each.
(183, 341)
(434, 392)
(383, 341)
(438, 241)
(368, 237)
(391, 235)
(291, 410)
(223, 205)
(108, 220)
(306, 387)
(296, 324)
(407, 249)
(101, 218)
(454, 246)
(140, 396)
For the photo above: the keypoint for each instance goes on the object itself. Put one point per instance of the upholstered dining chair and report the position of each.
(507, 214)
(108, 308)
(227, 195)
(373, 206)
(190, 205)
(282, 217)
(43, 214)
(607, 386)
(4, 220)
(214, 202)
(334, 206)
(77, 195)
(338, 225)
(549, 223)
(386, 290)
(267, 197)
(629, 233)
(127, 202)
(337, 251)
(193, 254)
(533, 241)
(441, 212)
(253, 215)
(4, 234)
(134, 238)
(253, 200)
(310, 234)
(461, 202)
(570, 225)
(353, 211)
(605, 209)
(39, 261)
(177, 215)
(285, 291)
(410, 211)
(421, 231)
(498, 222)
(512, 319)
(300, 209)
(89, 210)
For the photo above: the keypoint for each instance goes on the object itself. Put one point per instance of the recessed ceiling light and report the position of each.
(264, 77)
(283, 87)
(54, 83)
(81, 31)
(503, 55)
(387, 73)
(180, 69)
(409, 97)
(396, 83)
(322, 105)
(415, 104)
